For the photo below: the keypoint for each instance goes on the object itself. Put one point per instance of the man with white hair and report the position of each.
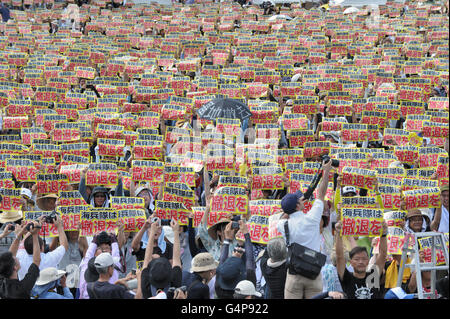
(102, 289)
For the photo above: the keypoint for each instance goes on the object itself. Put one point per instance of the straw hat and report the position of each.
(8, 217)
(212, 228)
(203, 262)
(44, 196)
(413, 212)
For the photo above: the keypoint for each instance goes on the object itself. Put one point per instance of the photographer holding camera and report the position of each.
(304, 229)
(158, 273)
(11, 287)
(49, 259)
(50, 281)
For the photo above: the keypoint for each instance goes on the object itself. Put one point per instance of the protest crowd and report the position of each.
(222, 150)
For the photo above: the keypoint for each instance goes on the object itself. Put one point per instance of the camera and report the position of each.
(161, 222)
(234, 225)
(334, 162)
(12, 227)
(30, 226)
(51, 218)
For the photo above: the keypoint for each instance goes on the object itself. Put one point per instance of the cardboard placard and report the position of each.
(361, 222)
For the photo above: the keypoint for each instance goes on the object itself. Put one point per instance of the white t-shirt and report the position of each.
(304, 229)
(443, 225)
(50, 259)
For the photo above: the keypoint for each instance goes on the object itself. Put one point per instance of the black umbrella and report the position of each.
(224, 108)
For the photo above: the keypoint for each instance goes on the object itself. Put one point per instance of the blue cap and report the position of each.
(230, 273)
(289, 202)
(397, 293)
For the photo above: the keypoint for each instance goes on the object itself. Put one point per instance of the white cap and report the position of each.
(246, 288)
(26, 192)
(348, 189)
(140, 189)
(105, 260)
(168, 233)
(161, 295)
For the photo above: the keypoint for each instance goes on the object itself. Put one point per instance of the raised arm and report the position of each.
(229, 234)
(150, 244)
(36, 247)
(382, 252)
(339, 248)
(82, 185)
(20, 231)
(118, 191)
(436, 219)
(136, 242)
(322, 190)
(191, 236)
(61, 233)
(176, 259)
(250, 265)
(207, 195)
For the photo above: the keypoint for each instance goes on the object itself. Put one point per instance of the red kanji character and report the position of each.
(230, 204)
(268, 182)
(411, 202)
(348, 226)
(393, 244)
(375, 227)
(369, 182)
(99, 225)
(265, 233)
(256, 232)
(212, 218)
(435, 200)
(362, 226)
(359, 181)
(130, 224)
(387, 200)
(427, 255)
(423, 200)
(140, 222)
(87, 228)
(396, 201)
(347, 179)
(241, 204)
(217, 203)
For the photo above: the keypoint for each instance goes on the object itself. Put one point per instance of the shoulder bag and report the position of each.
(302, 260)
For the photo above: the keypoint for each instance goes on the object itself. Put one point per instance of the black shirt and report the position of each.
(174, 282)
(275, 277)
(196, 288)
(20, 289)
(356, 288)
(106, 290)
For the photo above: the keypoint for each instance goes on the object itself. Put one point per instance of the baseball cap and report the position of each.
(289, 202)
(105, 260)
(26, 193)
(397, 293)
(246, 288)
(348, 189)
